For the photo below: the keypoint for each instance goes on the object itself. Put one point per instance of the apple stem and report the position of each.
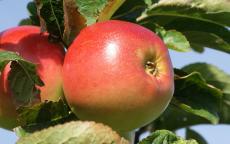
(130, 136)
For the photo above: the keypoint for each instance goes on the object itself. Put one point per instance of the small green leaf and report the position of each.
(22, 78)
(131, 9)
(31, 7)
(20, 132)
(90, 9)
(97, 10)
(74, 133)
(52, 17)
(26, 21)
(176, 41)
(173, 39)
(33, 16)
(6, 57)
(165, 137)
(191, 134)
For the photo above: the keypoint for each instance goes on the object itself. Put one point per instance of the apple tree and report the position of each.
(201, 91)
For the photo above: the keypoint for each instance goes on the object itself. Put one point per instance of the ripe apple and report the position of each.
(33, 46)
(118, 73)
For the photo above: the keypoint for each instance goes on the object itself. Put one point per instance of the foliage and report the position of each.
(165, 137)
(74, 132)
(202, 91)
(203, 22)
(22, 78)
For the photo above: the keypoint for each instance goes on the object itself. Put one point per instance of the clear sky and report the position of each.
(11, 12)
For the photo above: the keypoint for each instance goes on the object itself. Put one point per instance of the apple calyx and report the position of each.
(151, 68)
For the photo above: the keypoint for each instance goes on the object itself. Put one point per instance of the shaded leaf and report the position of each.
(165, 137)
(191, 134)
(26, 21)
(174, 118)
(51, 16)
(22, 81)
(74, 21)
(131, 9)
(225, 109)
(23, 78)
(213, 75)
(194, 95)
(33, 16)
(43, 115)
(194, 102)
(74, 132)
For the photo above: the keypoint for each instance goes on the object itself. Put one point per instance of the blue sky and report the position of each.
(11, 12)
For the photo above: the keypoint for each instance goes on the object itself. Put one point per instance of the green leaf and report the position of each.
(174, 118)
(203, 22)
(20, 132)
(91, 9)
(74, 21)
(225, 109)
(43, 115)
(213, 75)
(74, 133)
(173, 39)
(165, 137)
(81, 13)
(31, 7)
(191, 134)
(52, 17)
(190, 93)
(6, 57)
(202, 10)
(195, 102)
(200, 40)
(131, 9)
(33, 16)
(26, 21)
(97, 10)
(22, 78)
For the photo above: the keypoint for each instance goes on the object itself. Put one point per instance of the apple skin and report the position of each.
(106, 77)
(33, 46)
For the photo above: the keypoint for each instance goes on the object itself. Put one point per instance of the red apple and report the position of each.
(33, 46)
(118, 73)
